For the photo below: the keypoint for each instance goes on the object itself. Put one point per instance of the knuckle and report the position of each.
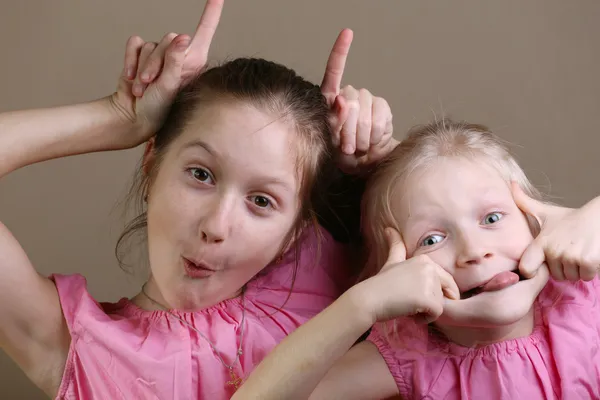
(134, 40)
(148, 46)
(364, 93)
(353, 104)
(169, 37)
(553, 250)
(379, 125)
(364, 123)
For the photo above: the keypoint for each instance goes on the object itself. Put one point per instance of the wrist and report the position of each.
(122, 128)
(359, 308)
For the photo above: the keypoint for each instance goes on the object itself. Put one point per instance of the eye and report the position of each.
(261, 201)
(431, 240)
(201, 175)
(492, 218)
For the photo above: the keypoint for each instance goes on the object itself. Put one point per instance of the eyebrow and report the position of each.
(274, 181)
(200, 144)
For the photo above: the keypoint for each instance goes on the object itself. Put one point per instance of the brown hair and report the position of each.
(270, 87)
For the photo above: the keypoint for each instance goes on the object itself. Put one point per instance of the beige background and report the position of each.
(527, 69)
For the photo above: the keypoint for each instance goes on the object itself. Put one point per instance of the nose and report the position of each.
(472, 249)
(216, 224)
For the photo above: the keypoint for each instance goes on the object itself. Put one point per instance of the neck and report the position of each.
(151, 298)
(482, 336)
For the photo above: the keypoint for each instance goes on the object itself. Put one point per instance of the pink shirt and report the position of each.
(559, 360)
(119, 351)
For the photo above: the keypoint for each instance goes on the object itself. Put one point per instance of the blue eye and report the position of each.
(201, 175)
(431, 240)
(492, 218)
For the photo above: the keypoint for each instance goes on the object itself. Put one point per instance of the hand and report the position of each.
(569, 240)
(414, 287)
(361, 123)
(154, 72)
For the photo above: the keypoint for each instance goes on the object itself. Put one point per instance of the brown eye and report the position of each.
(201, 175)
(262, 201)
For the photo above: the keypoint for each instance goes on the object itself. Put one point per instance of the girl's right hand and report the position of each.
(154, 72)
(414, 287)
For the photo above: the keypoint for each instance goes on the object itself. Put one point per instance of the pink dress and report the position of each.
(559, 360)
(119, 351)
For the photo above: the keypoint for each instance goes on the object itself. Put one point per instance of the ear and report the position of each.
(149, 157)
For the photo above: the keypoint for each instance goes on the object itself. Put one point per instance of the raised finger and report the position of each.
(205, 31)
(336, 63)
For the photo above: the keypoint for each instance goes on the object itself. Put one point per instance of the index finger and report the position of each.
(332, 80)
(206, 27)
(449, 286)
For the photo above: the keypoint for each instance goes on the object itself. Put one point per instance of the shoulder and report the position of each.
(302, 284)
(403, 344)
(567, 294)
(317, 264)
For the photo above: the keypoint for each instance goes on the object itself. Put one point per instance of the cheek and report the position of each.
(519, 239)
(171, 210)
(444, 257)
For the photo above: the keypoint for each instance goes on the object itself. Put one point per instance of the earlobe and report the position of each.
(149, 157)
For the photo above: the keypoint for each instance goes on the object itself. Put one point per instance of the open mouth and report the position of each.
(480, 289)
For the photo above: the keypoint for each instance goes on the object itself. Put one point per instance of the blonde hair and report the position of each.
(423, 145)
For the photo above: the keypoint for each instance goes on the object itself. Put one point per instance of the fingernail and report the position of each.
(129, 73)
(145, 76)
(348, 149)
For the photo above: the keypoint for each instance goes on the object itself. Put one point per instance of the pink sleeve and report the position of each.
(390, 354)
(322, 275)
(72, 290)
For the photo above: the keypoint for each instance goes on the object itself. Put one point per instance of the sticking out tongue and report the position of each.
(501, 281)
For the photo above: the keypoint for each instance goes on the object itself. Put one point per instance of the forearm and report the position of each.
(295, 367)
(31, 136)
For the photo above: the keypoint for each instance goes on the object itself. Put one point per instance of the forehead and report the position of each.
(237, 124)
(449, 185)
(240, 134)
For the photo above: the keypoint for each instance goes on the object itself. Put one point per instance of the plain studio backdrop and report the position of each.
(526, 69)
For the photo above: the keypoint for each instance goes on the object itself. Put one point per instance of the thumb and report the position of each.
(397, 249)
(170, 77)
(529, 206)
(531, 260)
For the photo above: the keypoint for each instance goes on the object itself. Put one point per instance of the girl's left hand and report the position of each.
(569, 240)
(361, 123)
